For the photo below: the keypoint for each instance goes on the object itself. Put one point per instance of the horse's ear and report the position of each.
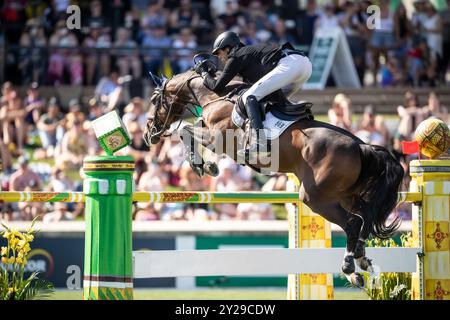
(156, 80)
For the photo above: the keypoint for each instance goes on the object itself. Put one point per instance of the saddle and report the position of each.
(276, 103)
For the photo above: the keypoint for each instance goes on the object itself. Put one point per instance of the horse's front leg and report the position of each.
(205, 148)
(190, 144)
(196, 139)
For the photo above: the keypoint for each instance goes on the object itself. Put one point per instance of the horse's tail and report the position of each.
(380, 178)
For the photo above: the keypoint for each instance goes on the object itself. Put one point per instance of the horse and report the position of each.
(346, 181)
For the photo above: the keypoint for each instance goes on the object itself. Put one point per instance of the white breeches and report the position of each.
(292, 70)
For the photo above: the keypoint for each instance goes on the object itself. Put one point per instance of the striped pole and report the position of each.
(158, 197)
(307, 230)
(431, 220)
(108, 188)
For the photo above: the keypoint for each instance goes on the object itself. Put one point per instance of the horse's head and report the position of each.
(167, 105)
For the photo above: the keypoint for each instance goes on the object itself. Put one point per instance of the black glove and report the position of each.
(205, 67)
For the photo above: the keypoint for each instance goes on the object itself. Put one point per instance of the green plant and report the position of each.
(389, 285)
(14, 257)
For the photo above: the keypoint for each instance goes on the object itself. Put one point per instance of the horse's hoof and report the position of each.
(198, 170)
(356, 279)
(211, 168)
(348, 266)
(365, 264)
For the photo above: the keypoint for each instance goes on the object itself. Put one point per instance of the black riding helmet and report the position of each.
(226, 39)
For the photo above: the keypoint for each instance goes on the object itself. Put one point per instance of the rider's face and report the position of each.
(223, 54)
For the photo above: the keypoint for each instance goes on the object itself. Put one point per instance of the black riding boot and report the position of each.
(258, 142)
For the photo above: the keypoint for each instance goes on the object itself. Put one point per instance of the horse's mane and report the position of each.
(197, 82)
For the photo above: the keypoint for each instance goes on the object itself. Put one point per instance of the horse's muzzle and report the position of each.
(151, 137)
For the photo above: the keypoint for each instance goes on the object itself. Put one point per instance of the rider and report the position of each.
(267, 67)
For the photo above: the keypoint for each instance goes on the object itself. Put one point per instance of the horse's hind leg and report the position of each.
(351, 225)
(360, 251)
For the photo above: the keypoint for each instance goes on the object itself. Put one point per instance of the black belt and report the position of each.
(287, 52)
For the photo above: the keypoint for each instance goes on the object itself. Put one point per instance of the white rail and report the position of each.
(228, 262)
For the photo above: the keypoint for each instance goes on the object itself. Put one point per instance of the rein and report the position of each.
(168, 106)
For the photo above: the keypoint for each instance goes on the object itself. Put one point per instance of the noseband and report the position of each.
(159, 127)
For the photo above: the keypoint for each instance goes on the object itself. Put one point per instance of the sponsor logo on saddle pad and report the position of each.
(273, 126)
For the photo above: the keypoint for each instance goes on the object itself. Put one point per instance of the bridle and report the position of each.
(158, 127)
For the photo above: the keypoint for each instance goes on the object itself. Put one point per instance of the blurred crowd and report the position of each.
(42, 147)
(137, 36)
(374, 129)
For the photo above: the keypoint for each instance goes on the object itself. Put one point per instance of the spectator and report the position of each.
(432, 27)
(445, 17)
(50, 128)
(171, 157)
(410, 116)
(391, 72)
(353, 23)
(156, 43)
(382, 39)
(154, 179)
(417, 63)
(132, 23)
(249, 35)
(418, 19)
(64, 58)
(403, 32)
(280, 34)
(138, 149)
(30, 210)
(147, 213)
(435, 109)
(126, 53)
(32, 41)
(95, 110)
(190, 181)
(24, 177)
(307, 21)
(257, 14)
(185, 43)
(96, 15)
(61, 213)
(74, 147)
(232, 17)
(13, 19)
(75, 111)
(340, 113)
(6, 159)
(108, 90)
(59, 182)
(327, 19)
(255, 211)
(12, 117)
(155, 16)
(184, 17)
(34, 104)
(372, 128)
(94, 148)
(275, 183)
(134, 112)
(96, 61)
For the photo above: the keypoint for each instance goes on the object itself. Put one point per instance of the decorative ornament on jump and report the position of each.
(433, 137)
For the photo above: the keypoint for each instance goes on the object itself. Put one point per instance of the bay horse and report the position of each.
(346, 181)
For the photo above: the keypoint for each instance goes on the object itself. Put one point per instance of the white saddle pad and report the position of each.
(273, 125)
